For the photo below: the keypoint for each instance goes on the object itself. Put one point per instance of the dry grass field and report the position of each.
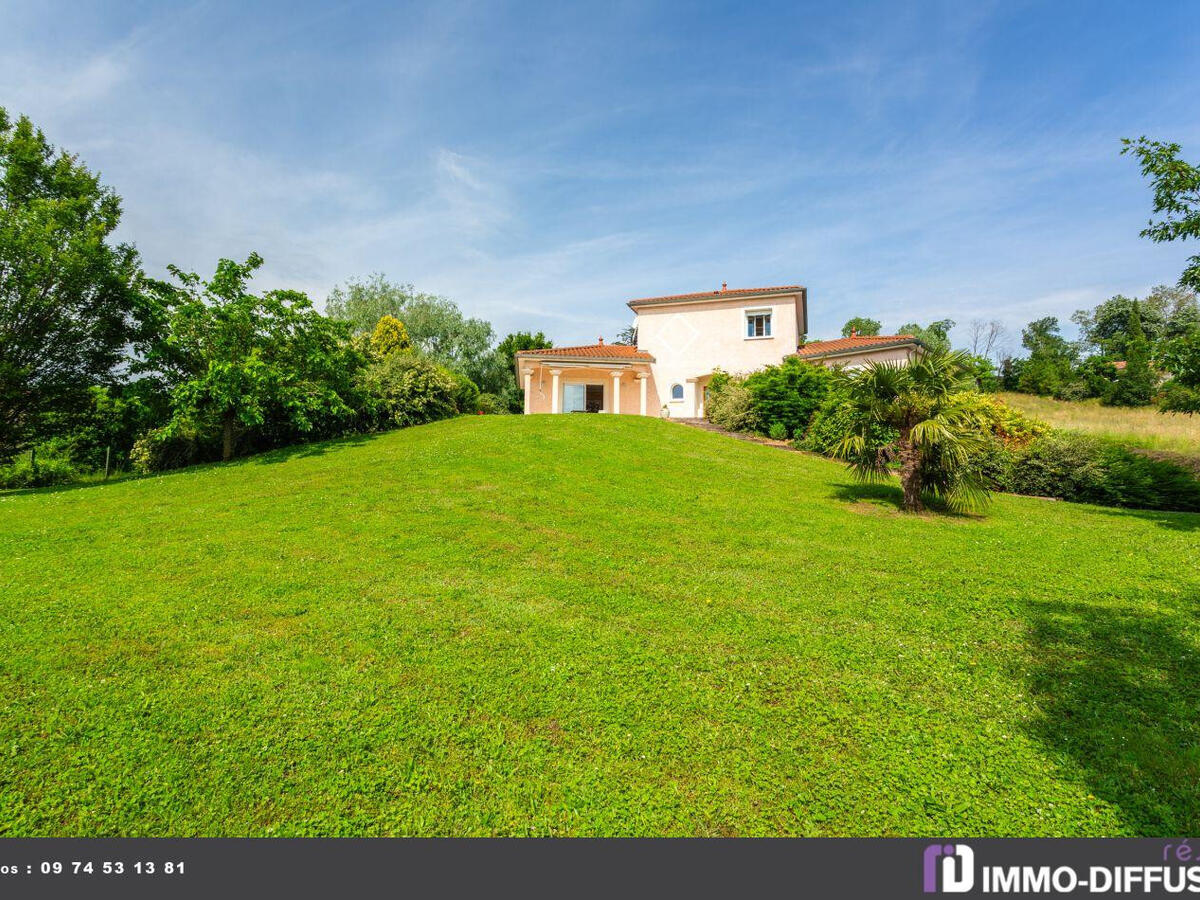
(1142, 427)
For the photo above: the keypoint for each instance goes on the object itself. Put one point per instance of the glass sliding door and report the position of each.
(574, 397)
(583, 398)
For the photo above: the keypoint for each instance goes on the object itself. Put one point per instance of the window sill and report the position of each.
(760, 337)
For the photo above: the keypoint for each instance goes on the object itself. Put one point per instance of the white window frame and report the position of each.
(768, 325)
(682, 392)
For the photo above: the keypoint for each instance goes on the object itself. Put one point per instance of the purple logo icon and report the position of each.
(940, 860)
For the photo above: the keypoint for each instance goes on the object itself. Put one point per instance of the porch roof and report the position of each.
(592, 354)
(860, 343)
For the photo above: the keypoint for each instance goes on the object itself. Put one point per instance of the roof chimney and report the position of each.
(724, 285)
(853, 332)
(600, 340)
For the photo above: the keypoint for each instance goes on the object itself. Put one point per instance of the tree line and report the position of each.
(104, 367)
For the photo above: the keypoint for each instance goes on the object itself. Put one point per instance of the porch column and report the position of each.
(698, 399)
(642, 379)
(555, 400)
(616, 401)
(528, 380)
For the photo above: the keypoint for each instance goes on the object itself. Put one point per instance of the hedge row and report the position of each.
(1022, 455)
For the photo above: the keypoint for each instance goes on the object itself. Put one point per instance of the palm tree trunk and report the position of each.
(910, 476)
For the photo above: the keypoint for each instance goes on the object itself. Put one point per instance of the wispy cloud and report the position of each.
(542, 164)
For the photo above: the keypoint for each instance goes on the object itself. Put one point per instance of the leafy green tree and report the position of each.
(435, 325)
(983, 372)
(1134, 386)
(627, 336)
(235, 358)
(935, 337)
(1180, 356)
(1176, 196)
(862, 326)
(511, 392)
(389, 337)
(1178, 306)
(938, 429)
(1051, 358)
(69, 298)
(363, 303)
(1106, 329)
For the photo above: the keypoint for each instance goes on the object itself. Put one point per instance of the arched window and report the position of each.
(677, 392)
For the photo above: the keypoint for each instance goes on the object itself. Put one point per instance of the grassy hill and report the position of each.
(587, 625)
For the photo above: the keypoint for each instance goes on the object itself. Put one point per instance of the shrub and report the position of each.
(167, 448)
(41, 471)
(491, 405)
(390, 336)
(1092, 470)
(730, 407)
(777, 432)
(466, 393)
(1008, 425)
(788, 393)
(1178, 397)
(832, 422)
(404, 390)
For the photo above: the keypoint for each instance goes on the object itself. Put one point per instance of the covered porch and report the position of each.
(601, 378)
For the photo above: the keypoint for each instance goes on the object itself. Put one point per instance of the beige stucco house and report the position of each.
(681, 340)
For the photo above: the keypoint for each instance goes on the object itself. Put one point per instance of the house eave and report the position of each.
(717, 297)
(858, 351)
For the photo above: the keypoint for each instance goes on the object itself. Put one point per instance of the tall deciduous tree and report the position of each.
(69, 299)
(988, 338)
(1176, 196)
(436, 326)
(234, 357)
(506, 351)
(861, 325)
(1051, 358)
(935, 336)
(1135, 386)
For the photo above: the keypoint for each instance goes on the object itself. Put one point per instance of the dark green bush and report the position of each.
(832, 422)
(788, 394)
(466, 393)
(163, 449)
(777, 432)
(1092, 470)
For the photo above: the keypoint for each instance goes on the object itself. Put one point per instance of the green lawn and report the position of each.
(587, 625)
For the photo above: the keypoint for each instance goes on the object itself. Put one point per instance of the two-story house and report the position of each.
(681, 340)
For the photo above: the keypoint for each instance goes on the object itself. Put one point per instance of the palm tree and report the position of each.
(936, 432)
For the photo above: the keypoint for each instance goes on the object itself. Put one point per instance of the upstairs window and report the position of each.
(758, 323)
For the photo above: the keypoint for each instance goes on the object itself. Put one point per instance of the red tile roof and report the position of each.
(592, 351)
(718, 294)
(814, 349)
(1119, 365)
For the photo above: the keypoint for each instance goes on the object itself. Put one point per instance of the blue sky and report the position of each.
(542, 163)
